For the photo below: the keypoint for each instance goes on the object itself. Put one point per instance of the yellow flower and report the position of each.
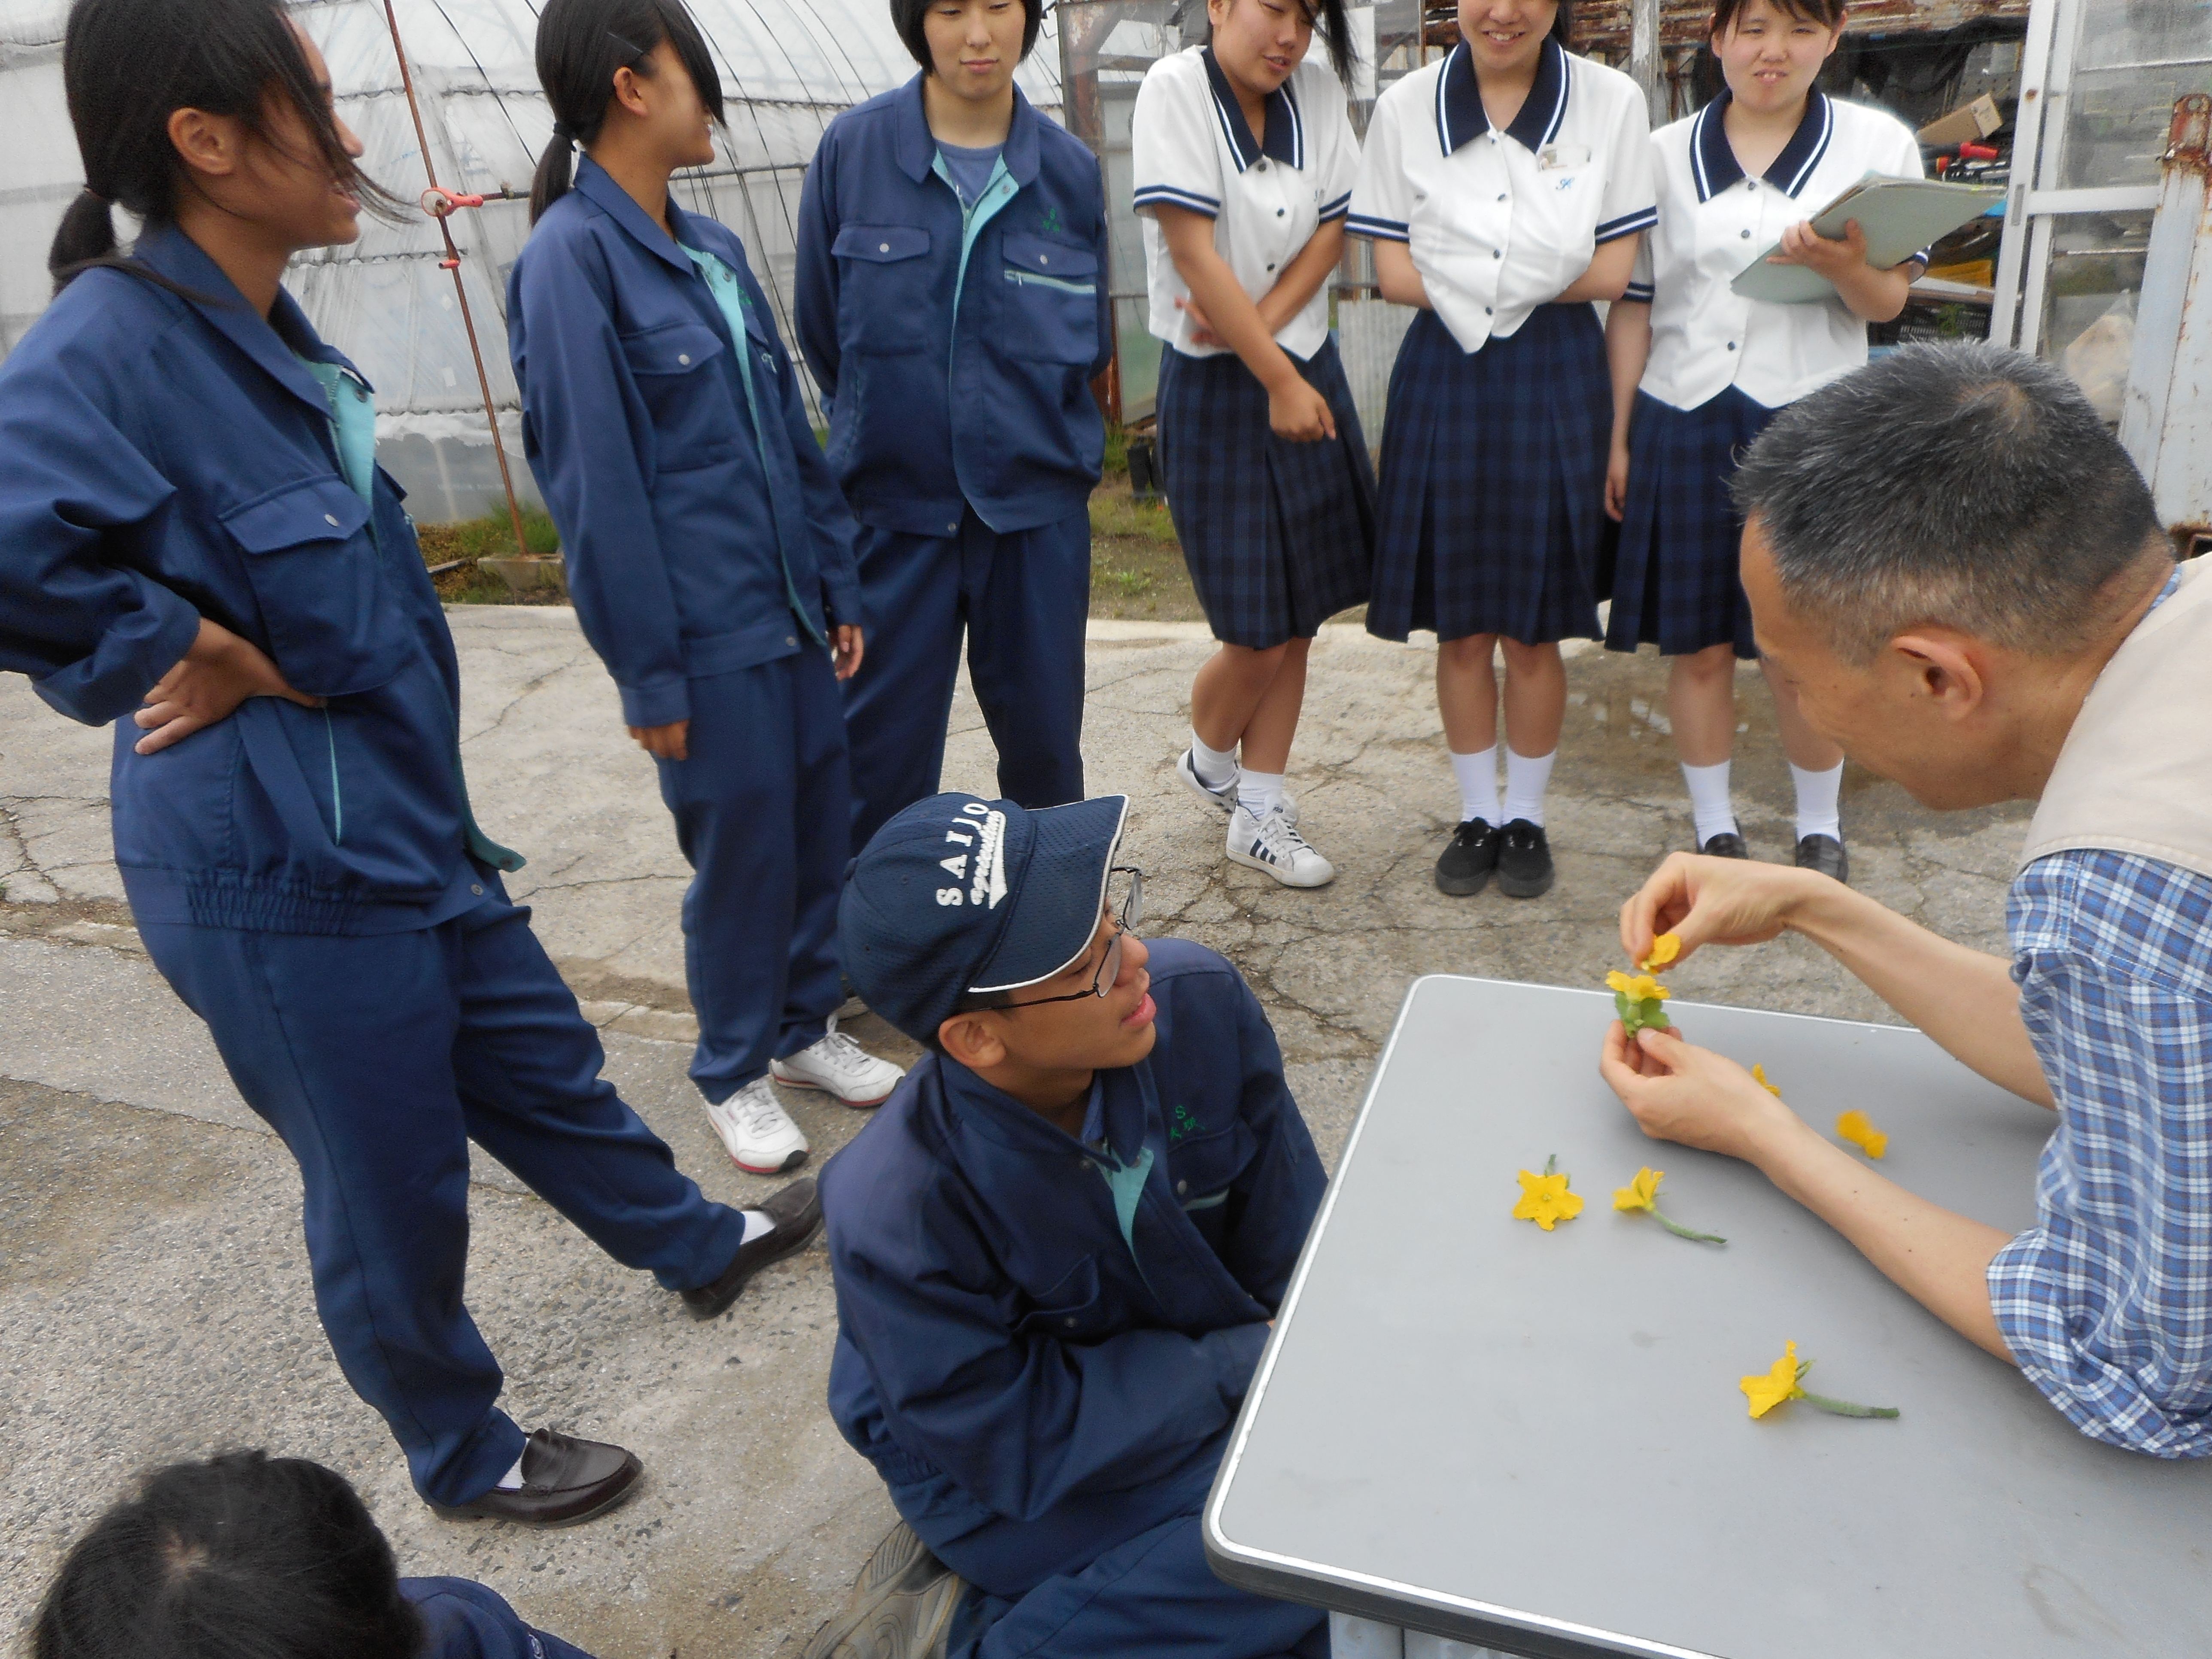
(1664, 950)
(1641, 1193)
(1644, 988)
(1619, 981)
(1546, 1200)
(1859, 1130)
(1758, 1076)
(1769, 1389)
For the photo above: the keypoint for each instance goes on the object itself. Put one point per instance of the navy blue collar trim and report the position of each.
(1286, 131)
(1461, 116)
(1713, 166)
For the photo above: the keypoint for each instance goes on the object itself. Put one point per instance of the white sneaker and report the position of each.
(1226, 796)
(1274, 844)
(840, 1067)
(759, 1133)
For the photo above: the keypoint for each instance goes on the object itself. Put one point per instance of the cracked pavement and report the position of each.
(154, 1294)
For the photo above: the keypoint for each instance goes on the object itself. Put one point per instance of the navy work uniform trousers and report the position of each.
(1023, 597)
(757, 800)
(378, 1059)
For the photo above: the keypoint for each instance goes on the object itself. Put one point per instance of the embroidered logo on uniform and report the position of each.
(983, 831)
(1184, 1124)
(1050, 224)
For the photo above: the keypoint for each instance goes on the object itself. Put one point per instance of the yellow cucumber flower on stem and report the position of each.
(1545, 1198)
(1664, 950)
(1784, 1381)
(1643, 1194)
(1637, 1000)
(1858, 1128)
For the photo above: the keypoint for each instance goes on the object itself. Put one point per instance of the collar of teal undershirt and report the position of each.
(1001, 190)
(353, 425)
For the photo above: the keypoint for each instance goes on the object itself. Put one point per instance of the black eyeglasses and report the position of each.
(1128, 910)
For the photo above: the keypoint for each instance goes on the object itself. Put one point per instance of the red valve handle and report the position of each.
(438, 203)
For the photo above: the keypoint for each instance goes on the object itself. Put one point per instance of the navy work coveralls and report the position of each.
(310, 880)
(955, 346)
(709, 557)
(463, 1620)
(1043, 1342)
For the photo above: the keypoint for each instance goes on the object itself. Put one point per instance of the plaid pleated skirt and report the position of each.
(1493, 482)
(1278, 536)
(1674, 584)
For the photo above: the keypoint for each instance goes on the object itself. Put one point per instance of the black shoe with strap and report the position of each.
(1524, 859)
(565, 1481)
(1825, 854)
(1729, 844)
(1464, 867)
(796, 1209)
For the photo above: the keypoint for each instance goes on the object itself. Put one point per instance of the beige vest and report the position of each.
(2136, 773)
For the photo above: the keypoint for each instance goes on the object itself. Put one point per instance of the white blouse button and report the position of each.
(1746, 236)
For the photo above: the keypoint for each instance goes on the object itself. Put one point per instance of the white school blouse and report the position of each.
(1714, 221)
(1501, 222)
(1192, 148)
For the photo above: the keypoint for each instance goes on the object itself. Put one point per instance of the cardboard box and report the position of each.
(1963, 124)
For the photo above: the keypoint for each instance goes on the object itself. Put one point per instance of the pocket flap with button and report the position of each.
(1047, 257)
(1069, 1309)
(319, 510)
(671, 348)
(880, 244)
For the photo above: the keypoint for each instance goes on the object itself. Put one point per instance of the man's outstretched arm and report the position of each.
(1965, 999)
(1692, 1096)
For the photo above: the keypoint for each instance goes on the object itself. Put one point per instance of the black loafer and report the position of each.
(796, 1209)
(1464, 867)
(565, 1481)
(1729, 844)
(1825, 854)
(1524, 861)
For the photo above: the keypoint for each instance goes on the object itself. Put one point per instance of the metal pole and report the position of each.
(453, 262)
(1645, 66)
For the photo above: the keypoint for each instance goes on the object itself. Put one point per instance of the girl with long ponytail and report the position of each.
(709, 550)
(194, 532)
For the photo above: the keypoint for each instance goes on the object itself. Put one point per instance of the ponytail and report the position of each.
(580, 45)
(85, 237)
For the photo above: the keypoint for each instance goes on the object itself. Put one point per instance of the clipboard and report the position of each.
(1900, 216)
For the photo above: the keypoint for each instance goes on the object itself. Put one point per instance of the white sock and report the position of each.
(1526, 779)
(1708, 799)
(512, 1480)
(1259, 792)
(1819, 797)
(1478, 786)
(1214, 767)
(758, 1225)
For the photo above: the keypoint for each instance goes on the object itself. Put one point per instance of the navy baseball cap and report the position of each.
(959, 895)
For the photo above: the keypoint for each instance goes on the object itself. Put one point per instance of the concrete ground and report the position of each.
(154, 1292)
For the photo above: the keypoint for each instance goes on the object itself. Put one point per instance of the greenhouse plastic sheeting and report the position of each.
(788, 66)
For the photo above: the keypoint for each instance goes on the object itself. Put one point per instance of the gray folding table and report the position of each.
(1534, 1442)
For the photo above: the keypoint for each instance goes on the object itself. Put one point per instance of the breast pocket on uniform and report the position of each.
(1052, 294)
(1071, 1310)
(694, 416)
(881, 276)
(332, 623)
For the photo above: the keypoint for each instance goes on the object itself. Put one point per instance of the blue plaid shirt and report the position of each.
(2107, 1302)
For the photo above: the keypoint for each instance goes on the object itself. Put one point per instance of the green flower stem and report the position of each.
(1680, 1232)
(1843, 1408)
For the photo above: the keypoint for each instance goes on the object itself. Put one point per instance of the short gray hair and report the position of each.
(1968, 486)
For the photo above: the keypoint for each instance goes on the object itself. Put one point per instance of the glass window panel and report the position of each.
(2089, 300)
(2132, 59)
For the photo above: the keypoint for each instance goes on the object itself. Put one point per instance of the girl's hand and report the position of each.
(1616, 478)
(1690, 1096)
(668, 743)
(846, 649)
(1803, 246)
(1709, 900)
(1201, 332)
(220, 671)
(1297, 412)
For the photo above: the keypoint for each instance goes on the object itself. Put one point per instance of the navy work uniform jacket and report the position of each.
(163, 459)
(695, 544)
(1041, 1361)
(956, 349)
(463, 1620)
